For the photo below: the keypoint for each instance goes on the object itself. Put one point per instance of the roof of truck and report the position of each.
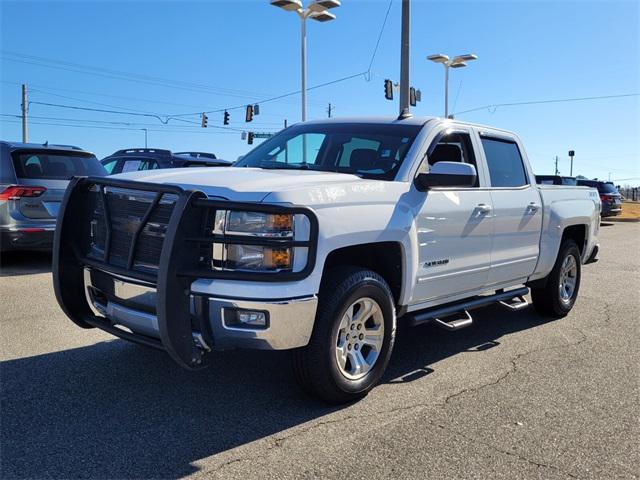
(374, 119)
(393, 119)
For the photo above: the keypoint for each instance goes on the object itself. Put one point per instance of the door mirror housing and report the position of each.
(447, 174)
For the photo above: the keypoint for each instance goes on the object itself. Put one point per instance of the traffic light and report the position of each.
(388, 90)
(256, 109)
(250, 138)
(205, 120)
(226, 118)
(412, 97)
(249, 115)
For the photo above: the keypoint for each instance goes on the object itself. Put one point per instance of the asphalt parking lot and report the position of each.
(513, 396)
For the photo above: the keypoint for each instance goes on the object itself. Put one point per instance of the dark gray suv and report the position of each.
(33, 178)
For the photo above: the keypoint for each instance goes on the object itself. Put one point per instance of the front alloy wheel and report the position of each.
(359, 338)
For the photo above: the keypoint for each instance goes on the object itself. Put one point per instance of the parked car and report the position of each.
(609, 196)
(555, 180)
(136, 159)
(33, 178)
(323, 251)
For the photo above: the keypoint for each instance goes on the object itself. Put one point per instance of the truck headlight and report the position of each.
(240, 256)
(260, 224)
(254, 257)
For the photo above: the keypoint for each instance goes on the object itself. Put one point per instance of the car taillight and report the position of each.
(605, 198)
(16, 192)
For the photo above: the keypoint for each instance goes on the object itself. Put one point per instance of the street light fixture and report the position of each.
(458, 61)
(316, 10)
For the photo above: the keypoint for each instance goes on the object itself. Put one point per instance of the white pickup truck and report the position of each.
(320, 240)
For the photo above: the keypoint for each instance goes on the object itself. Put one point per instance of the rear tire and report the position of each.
(352, 338)
(557, 297)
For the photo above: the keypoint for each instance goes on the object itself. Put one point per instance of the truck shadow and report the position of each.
(117, 410)
(24, 263)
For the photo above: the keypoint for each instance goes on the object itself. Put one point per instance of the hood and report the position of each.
(241, 184)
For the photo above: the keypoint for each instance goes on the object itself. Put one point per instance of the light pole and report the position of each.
(316, 10)
(458, 61)
(145, 137)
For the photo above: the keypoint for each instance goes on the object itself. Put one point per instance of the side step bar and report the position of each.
(455, 323)
(516, 303)
(437, 314)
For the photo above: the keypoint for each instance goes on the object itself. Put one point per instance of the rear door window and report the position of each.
(137, 164)
(56, 166)
(504, 161)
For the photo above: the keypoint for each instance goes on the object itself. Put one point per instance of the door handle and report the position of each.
(483, 208)
(533, 207)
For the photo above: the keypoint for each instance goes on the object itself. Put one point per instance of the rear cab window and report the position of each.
(56, 165)
(504, 162)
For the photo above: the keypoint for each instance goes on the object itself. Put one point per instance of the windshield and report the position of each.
(373, 151)
(56, 165)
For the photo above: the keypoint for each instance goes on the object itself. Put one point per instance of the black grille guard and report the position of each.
(178, 266)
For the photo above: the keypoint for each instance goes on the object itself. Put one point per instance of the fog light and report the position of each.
(250, 319)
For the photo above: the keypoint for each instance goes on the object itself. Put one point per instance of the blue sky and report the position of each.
(229, 53)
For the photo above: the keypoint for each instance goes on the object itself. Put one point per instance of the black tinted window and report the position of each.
(505, 163)
(56, 166)
(607, 188)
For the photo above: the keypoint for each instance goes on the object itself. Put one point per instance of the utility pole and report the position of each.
(25, 131)
(405, 44)
(329, 109)
(557, 165)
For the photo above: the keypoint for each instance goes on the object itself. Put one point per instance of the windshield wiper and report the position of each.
(285, 166)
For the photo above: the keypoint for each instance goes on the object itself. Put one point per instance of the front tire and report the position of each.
(557, 297)
(352, 338)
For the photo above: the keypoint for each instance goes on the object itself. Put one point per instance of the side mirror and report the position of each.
(447, 174)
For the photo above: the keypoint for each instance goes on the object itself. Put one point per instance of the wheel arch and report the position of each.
(385, 258)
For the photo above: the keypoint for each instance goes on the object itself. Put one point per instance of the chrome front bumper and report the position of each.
(130, 304)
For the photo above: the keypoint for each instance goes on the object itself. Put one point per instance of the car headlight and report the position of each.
(240, 256)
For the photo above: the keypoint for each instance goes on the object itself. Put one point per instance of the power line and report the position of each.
(267, 100)
(535, 102)
(47, 89)
(375, 49)
(31, 89)
(102, 127)
(122, 75)
(162, 119)
(134, 124)
(119, 75)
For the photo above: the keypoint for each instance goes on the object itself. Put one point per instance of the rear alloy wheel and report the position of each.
(568, 279)
(352, 338)
(560, 291)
